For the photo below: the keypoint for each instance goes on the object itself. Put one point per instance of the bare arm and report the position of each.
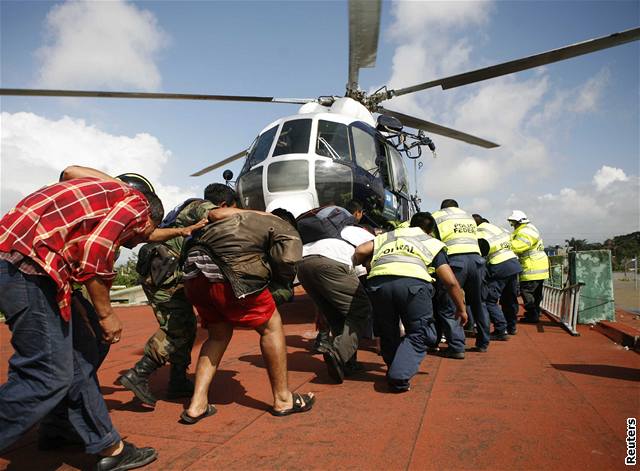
(163, 234)
(448, 279)
(77, 171)
(363, 253)
(109, 321)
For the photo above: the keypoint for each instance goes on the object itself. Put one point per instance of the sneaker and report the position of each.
(479, 349)
(129, 458)
(512, 331)
(449, 353)
(500, 336)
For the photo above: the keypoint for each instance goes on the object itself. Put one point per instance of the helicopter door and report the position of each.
(368, 187)
(399, 179)
(334, 178)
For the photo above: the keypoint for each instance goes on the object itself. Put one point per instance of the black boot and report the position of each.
(179, 384)
(136, 379)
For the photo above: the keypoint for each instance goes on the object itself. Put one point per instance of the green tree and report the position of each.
(126, 274)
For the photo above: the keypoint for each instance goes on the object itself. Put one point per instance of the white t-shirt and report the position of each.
(339, 250)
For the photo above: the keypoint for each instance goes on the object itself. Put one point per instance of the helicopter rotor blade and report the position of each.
(364, 29)
(144, 95)
(222, 163)
(434, 128)
(517, 65)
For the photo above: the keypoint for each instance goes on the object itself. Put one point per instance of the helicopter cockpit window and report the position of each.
(261, 147)
(333, 140)
(365, 147)
(398, 170)
(294, 137)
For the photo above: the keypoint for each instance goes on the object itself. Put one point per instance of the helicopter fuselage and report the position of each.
(325, 156)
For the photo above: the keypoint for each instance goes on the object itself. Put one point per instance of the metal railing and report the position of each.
(561, 304)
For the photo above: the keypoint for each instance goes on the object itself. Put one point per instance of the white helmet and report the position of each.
(518, 216)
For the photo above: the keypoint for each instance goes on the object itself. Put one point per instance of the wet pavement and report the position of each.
(542, 400)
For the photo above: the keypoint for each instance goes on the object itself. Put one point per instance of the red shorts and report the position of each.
(215, 302)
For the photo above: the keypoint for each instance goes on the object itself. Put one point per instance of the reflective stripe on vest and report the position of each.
(418, 241)
(457, 230)
(399, 258)
(499, 243)
(492, 257)
(404, 252)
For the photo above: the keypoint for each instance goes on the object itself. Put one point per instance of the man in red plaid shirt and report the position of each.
(63, 233)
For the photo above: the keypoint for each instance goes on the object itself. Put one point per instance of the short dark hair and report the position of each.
(219, 193)
(156, 210)
(353, 206)
(286, 216)
(424, 220)
(449, 204)
(479, 219)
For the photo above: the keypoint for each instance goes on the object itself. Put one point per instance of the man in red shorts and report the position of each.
(228, 268)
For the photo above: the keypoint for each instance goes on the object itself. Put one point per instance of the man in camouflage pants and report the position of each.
(161, 279)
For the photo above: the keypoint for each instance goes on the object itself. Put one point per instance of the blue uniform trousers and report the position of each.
(396, 298)
(509, 301)
(50, 365)
(469, 270)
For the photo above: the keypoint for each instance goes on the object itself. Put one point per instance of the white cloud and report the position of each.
(35, 150)
(607, 175)
(100, 44)
(566, 104)
(586, 211)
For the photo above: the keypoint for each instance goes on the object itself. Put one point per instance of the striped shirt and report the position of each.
(72, 230)
(198, 261)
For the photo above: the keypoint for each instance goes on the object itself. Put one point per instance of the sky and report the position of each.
(569, 132)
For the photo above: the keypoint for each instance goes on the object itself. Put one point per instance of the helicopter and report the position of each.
(334, 149)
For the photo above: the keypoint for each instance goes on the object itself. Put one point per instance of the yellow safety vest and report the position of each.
(499, 242)
(404, 252)
(527, 244)
(457, 230)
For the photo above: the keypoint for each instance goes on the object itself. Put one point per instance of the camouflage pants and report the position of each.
(173, 341)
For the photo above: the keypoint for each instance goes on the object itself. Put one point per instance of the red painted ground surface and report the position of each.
(543, 400)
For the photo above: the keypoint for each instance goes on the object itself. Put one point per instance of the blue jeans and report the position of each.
(51, 366)
(396, 298)
(469, 270)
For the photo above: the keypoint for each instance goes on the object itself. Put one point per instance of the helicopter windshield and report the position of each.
(364, 145)
(333, 140)
(294, 137)
(261, 147)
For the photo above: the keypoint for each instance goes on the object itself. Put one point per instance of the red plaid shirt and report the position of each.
(72, 230)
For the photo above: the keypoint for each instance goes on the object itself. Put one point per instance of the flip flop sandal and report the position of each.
(188, 420)
(301, 403)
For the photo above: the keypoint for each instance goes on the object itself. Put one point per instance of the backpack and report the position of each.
(158, 265)
(324, 223)
(170, 219)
